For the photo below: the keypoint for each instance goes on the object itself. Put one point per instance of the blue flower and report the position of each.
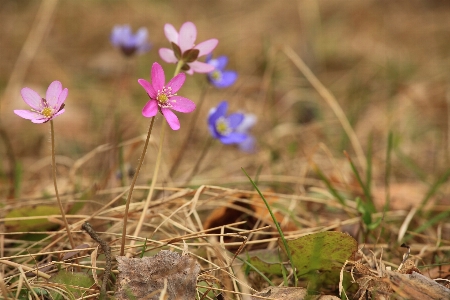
(248, 145)
(130, 43)
(231, 129)
(219, 77)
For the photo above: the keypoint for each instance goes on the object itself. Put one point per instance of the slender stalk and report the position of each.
(154, 179)
(61, 208)
(133, 182)
(190, 132)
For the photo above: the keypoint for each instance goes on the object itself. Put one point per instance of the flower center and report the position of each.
(47, 112)
(163, 97)
(222, 126)
(216, 75)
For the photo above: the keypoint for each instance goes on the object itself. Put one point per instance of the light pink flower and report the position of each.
(163, 96)
(183, 44)
(43, 110)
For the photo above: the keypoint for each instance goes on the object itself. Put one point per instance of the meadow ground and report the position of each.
(352, 135)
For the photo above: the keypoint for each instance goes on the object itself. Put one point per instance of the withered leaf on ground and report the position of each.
(416, 286)
(142, 277)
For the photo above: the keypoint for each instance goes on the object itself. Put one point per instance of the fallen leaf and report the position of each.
(144, 277)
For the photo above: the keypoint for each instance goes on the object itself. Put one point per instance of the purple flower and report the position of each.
(183, 48)
(130, 43)
(163, 96)
(43, 110)
(219, 77)
(225, 128)
(248, 145)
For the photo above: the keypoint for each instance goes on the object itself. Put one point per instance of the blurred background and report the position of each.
(386, 62)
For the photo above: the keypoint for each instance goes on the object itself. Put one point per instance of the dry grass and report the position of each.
(383, 63)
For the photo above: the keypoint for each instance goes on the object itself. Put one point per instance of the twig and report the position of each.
(107, 250)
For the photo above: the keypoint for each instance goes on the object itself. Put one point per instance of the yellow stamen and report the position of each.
(162, 98)
(47, 112)
(222, 126)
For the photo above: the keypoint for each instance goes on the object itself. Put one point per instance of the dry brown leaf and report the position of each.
(416, 286)
(289, 293)
(144, 277)
(236, 211)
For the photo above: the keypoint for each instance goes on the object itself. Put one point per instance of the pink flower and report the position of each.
(164, 98)
(43, 110)
(185, 49)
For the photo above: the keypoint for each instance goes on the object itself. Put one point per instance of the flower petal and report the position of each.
(248, 145)
(200, 67)
(148, 88)
(150, 109)
(247, 123)
(167, 55)
(57, 114)
(219, 111)
(171, 33)
(206, 47)
(141, 36)
(228, 78)
(188, 34)
(40, 121)
(222, 62)
(53, 91)
(171, 118)
(233, 138)
(182, 104)
(235, 120)
(158, 77)
(31, 98)
(62, 97)
(27, 114)
(177, 82)
(213, 131)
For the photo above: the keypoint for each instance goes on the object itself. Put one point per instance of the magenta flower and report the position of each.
(183, 48)
(43, 110)
(164, 98)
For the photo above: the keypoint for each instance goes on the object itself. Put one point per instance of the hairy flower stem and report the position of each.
(154, 179)
(61, 208)
(133, 182)
(190, 131)
(156, 171)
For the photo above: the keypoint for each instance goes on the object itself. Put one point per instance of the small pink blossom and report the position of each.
(163, 96)
(43, 110)
(185, 49)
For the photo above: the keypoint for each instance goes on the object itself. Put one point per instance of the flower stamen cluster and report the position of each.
(163, 97)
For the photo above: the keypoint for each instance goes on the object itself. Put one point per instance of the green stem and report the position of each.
(133, 182)
(61, 208)
(178, 68)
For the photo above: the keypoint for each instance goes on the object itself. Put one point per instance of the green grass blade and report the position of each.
(366, 191)
(434, 188)
(329, 186)
(276, 224)
(256, 270)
